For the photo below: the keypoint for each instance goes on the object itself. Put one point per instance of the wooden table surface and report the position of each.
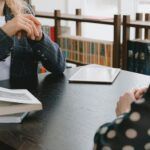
(72, 112)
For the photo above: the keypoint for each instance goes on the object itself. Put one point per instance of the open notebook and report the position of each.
(95, 74)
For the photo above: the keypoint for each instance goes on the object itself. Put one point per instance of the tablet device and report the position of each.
(95, 74)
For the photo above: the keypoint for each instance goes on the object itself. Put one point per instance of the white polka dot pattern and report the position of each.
(135, 116)
(103, 130)
(127, 130)
(147, 146)
(106, 148)
(131, 133)
(118, 121)
(111, 134)
(128, 147)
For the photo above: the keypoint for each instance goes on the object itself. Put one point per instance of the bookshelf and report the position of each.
(79, 19)
(140, 23)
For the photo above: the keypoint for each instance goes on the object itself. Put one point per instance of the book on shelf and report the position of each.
(50, 30)
(95, 74)
(17, 103)
(130, 59)
(139, 56)
(86, 50)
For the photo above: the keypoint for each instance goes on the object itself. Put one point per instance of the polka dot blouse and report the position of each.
(130, 131)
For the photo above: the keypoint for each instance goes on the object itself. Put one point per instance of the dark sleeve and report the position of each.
(6, 43)
(48, 52)
(128, 132)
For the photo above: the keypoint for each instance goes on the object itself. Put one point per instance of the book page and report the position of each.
(21, 96)
(17, 96)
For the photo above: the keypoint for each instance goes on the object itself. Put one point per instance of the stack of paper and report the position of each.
(15, 104)
(14, 118)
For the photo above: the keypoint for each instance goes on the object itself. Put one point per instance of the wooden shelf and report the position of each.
(81, 18)
(86, 19)
(44, 15)
(139, 24)
(78, 18)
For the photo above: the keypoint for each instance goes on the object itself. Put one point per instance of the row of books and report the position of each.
(50, 30)
(86, 50)
(139, 56)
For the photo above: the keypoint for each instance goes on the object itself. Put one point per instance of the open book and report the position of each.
(17, 101)
(95, 74)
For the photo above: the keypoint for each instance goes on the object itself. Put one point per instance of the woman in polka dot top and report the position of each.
(131, 129)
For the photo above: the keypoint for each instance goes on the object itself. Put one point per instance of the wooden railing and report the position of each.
(79, 19)
(140, 23)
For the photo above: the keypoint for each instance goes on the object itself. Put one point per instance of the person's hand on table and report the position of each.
(125, 101)
(37, 26)
(138, 93)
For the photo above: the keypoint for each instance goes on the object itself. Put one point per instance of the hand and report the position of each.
(138, 93)
(22, 23)
(38, 27)
(124, 103)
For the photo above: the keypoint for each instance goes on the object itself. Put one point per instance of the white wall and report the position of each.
(71, 5)
(49, 6)
(97, 8)
(143, 6)
(127, 7)
(100, 8)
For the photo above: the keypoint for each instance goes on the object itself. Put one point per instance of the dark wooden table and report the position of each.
(71, 115)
